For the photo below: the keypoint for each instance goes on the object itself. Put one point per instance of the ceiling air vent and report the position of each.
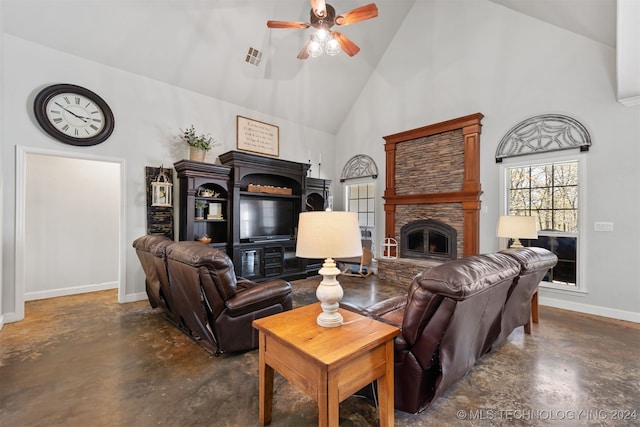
(254, 56)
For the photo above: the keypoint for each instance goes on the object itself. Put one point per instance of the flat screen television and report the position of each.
(266, 219)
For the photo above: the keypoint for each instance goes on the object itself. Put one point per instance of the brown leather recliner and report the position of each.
(217, 306)
(151, 251)
(534, 265)
(450, 317)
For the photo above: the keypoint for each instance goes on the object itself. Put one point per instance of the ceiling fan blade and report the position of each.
(359, 14)
(304, 54)
(319, 8)
(347, 46)
(287, 24)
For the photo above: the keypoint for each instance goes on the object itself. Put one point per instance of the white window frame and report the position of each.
(363, 181)
(581, 159)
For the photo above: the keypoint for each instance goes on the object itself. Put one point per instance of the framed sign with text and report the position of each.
(258, 137)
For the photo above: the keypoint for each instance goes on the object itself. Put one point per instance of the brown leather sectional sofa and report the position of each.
(455, 313)
(197, 287)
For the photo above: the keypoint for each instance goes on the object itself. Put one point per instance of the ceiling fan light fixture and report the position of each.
(321, 35)
(314, 48)
(322, 17)
(332, 47)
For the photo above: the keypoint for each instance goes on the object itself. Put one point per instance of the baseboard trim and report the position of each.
(134, 297)
(73, 290)
(596, 310)
(12, 317)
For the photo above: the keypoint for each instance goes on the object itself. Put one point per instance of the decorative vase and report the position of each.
(197, 154)
(199, 214)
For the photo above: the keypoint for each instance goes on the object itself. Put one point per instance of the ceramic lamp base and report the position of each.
(329, 293)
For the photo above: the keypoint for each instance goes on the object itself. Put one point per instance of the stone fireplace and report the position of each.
(433, 174)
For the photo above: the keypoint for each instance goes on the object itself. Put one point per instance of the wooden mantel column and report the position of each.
(470, 191)
(390, 190)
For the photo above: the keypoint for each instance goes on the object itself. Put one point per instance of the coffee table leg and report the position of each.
(266, 385)
(385, 390)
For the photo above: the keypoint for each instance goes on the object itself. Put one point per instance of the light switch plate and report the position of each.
(603, 226)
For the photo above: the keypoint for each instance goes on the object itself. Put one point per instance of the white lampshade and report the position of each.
(328, 234)
(517, 227)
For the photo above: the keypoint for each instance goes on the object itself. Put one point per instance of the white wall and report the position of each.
(2, 318)
(148, 116)
(450, 59)
(72, 220)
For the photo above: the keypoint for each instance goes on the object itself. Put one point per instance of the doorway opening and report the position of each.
(69, 225)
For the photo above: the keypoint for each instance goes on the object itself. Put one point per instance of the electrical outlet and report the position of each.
(603, 226)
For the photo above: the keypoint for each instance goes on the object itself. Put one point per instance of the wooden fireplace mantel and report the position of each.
(469, 194)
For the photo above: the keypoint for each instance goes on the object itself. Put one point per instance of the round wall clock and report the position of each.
(73, 114)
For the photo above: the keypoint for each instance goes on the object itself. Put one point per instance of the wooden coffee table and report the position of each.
(328, 364)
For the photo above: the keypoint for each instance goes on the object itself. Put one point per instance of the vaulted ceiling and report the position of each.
(201, 45)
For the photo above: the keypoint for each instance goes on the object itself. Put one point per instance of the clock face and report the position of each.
(73, 114)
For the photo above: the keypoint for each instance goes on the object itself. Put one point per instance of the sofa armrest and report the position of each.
(353, 307)
(384, 307)
(252, 296)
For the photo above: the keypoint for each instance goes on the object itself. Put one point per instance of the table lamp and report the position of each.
(517, 227)
(328, 234)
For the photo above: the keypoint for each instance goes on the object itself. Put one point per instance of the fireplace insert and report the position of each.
(428, 239)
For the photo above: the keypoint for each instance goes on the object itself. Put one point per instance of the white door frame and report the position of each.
(20, 245)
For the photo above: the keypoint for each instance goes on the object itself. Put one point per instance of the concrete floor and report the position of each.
(87, 360)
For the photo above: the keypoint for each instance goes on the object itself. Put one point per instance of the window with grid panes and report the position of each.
(550, 193)
(361, 199)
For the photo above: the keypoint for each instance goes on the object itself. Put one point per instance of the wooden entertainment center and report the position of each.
(257, 201)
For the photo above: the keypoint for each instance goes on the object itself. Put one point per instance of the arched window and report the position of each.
(360, 166)
(549, 187)
(542, 134)
(360, 192)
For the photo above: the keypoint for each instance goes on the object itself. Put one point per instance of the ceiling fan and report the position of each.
(323, 17)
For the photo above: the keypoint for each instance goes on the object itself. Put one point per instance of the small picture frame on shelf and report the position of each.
(215, 211)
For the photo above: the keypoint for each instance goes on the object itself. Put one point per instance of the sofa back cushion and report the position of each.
(457, 280)
(532, 259)
(210, 262)
(151, 251)
(534, 265)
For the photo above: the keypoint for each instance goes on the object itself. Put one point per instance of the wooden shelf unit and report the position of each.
(271, 256)
(192, 177)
